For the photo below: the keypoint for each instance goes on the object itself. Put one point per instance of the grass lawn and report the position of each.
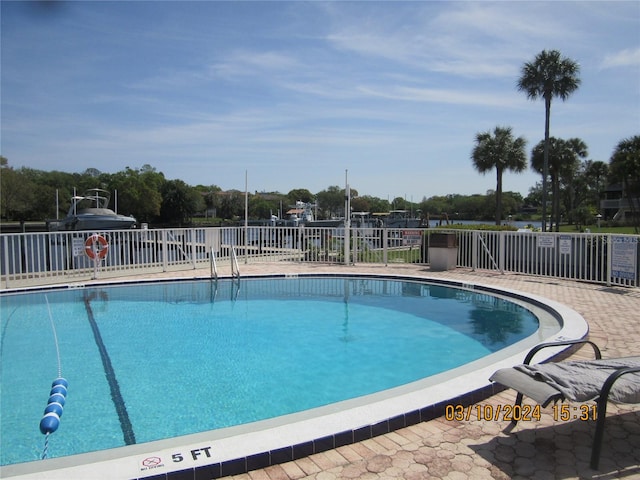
(595, 229)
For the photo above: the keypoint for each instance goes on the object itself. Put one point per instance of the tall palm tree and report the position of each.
(502, 152)
(549, 75)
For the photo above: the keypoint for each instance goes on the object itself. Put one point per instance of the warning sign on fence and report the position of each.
(411, 237)
(624, 254)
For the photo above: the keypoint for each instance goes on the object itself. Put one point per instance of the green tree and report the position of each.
(569, 177)
(512, 203)
(471, 207)
(377, 204)
(502, 152)
(211, 198)
(436, 205)
(231, 204)
(583, 189)
(139, 192)
(300, 195)
(563, 163)
(15, 192)
(179, 202)
(331, 200)
(625, 168)
(361, 204)
(595, 177)
(262, 206)
(548, 75)
(37, 196)
(399, 203)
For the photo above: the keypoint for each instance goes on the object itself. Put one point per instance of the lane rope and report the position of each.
(57, 396)
(55, 336)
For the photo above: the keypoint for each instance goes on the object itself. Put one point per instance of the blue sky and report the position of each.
(295, 93)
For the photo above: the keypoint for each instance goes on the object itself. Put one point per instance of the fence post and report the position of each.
(501, 256)
(193, 248)
(609, 252)
(346, 241)
(474, 251)
(355, 245)
(385, 244)
(6, 262)
(300, 243)
(165, 245)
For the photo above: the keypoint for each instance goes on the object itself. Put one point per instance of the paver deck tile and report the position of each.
(308, 466)
(293, 470)
(326, 462)
(349, 453)
(276, 472)
(259, 475)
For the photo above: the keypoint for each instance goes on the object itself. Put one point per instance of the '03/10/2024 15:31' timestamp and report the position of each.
(518, 413)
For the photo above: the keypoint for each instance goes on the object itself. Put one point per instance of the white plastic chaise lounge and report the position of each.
(601, 380)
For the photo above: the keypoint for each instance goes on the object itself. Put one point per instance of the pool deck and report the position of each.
(441, 449)
(475, 449)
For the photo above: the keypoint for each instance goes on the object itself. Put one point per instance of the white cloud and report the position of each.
(472, 40)
(453, 97)
(629, 57)
(246, 63)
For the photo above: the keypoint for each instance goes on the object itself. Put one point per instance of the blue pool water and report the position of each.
(152, 361)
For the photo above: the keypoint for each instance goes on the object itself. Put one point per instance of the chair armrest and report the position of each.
(611, 379)
(539, 347)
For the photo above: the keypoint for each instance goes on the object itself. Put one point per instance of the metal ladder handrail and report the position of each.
(234, 261)
(486, 249)
(213, 265)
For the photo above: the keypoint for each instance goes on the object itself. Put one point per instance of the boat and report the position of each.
(91, 212)
(302, 213)
(400, 219)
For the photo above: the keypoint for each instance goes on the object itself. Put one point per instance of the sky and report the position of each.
(277, 96)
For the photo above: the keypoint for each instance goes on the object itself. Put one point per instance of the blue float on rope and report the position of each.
(55, 406)
(49, 423)
(57, 397)
(61, 389)
(60, 381)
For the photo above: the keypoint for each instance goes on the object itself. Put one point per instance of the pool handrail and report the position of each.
(213, 265)
(235, 273)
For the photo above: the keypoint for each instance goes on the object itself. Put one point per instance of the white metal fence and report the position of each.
(29, 259)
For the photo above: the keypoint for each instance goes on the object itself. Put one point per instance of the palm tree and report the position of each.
(595, 173)
(563, 157)
(625, 168)
(549, 75)
(502, 152)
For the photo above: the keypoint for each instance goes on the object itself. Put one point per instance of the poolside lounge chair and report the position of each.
(600, 380)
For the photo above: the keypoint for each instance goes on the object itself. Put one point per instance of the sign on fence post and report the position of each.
(411, 237)
(546, 241)
(77, 244)
(624, 251)
(565, 244)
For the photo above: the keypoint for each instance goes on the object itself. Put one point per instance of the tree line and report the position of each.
(27, 194)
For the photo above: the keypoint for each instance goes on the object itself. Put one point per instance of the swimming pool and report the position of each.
(174, 351)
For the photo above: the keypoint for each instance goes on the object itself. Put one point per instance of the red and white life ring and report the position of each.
(101, 251)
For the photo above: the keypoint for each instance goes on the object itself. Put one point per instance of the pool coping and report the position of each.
(243, 448)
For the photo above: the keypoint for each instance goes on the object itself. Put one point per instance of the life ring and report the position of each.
(89, 247)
